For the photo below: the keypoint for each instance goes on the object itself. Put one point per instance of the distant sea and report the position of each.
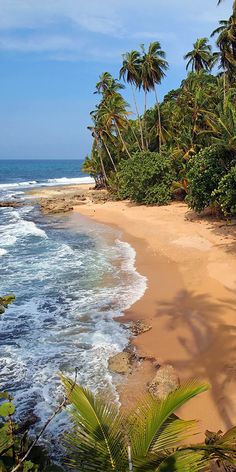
(71, 277)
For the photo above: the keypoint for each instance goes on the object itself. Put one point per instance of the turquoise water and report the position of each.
(71, 277)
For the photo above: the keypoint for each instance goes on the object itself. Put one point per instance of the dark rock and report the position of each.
(139, 327)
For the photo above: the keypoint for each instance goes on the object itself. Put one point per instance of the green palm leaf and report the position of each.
(150, 417)
(96, 441)
(184, 461)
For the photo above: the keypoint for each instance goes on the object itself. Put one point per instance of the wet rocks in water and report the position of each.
(120, 363)
(165, 381)
(10, 204)
(5, 301)
(139, 327)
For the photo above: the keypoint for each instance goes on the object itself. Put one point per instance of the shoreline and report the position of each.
(190, 301)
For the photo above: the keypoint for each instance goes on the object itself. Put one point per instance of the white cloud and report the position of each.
(94, 16)
(103, 27)
(40, 43)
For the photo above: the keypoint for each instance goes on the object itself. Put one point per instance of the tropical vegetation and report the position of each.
(154, 155)
(103, 437)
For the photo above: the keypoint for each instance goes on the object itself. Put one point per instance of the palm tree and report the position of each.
(153, 67)
(222, 124)
(130, 73)
(102, 133)
(114, 115)
(107, 85)
(226, 42)
(149, 437)
(200, 57)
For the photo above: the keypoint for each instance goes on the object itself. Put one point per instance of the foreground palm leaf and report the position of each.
(102, 435)
(97, 440)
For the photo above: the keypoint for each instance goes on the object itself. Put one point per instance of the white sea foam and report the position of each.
(48, 183)
(138, 282)
(18, 228)
(66, 181)
(3, 252)
(15, 185)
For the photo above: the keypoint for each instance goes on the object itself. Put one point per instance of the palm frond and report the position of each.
(184, 461)
(96, 439)
(150, 416)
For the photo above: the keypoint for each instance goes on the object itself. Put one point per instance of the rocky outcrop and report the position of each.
(100, 196)
(165, 381)
(55, 205)
(61, 204)
(139, 327)
(120, 363)
(10, 204)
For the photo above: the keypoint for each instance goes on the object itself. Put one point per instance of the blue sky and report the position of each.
(52, 52)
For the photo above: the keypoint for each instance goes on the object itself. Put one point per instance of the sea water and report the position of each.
(71, 277)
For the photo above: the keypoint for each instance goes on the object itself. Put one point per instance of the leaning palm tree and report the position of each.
(200, 57)
(149, 438)
(153, 69)
(130, 73)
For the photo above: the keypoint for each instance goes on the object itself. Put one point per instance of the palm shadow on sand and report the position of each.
(208, 340)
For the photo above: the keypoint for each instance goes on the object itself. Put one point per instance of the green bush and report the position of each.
(146, 178)
(206, 170)
(226, 193)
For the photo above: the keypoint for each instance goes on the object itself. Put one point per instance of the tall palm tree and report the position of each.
(200, 57)
(150, 437)
(153, 67)
(130, 72)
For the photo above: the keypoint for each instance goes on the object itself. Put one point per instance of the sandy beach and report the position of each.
(190, 301)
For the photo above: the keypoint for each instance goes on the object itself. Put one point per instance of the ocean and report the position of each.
(71, 277)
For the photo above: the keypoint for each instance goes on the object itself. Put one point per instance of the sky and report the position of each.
(53, 51)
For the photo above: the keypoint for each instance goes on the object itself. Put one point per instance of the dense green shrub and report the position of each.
(146, 178)
(226, 193)
(206, 170)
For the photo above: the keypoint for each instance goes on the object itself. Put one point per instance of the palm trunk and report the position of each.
(109, 154)
(159, 119)
(135, 137)
(224, 78)
(145, 109)
(101, 161)
(138, 115)
(121, 138)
